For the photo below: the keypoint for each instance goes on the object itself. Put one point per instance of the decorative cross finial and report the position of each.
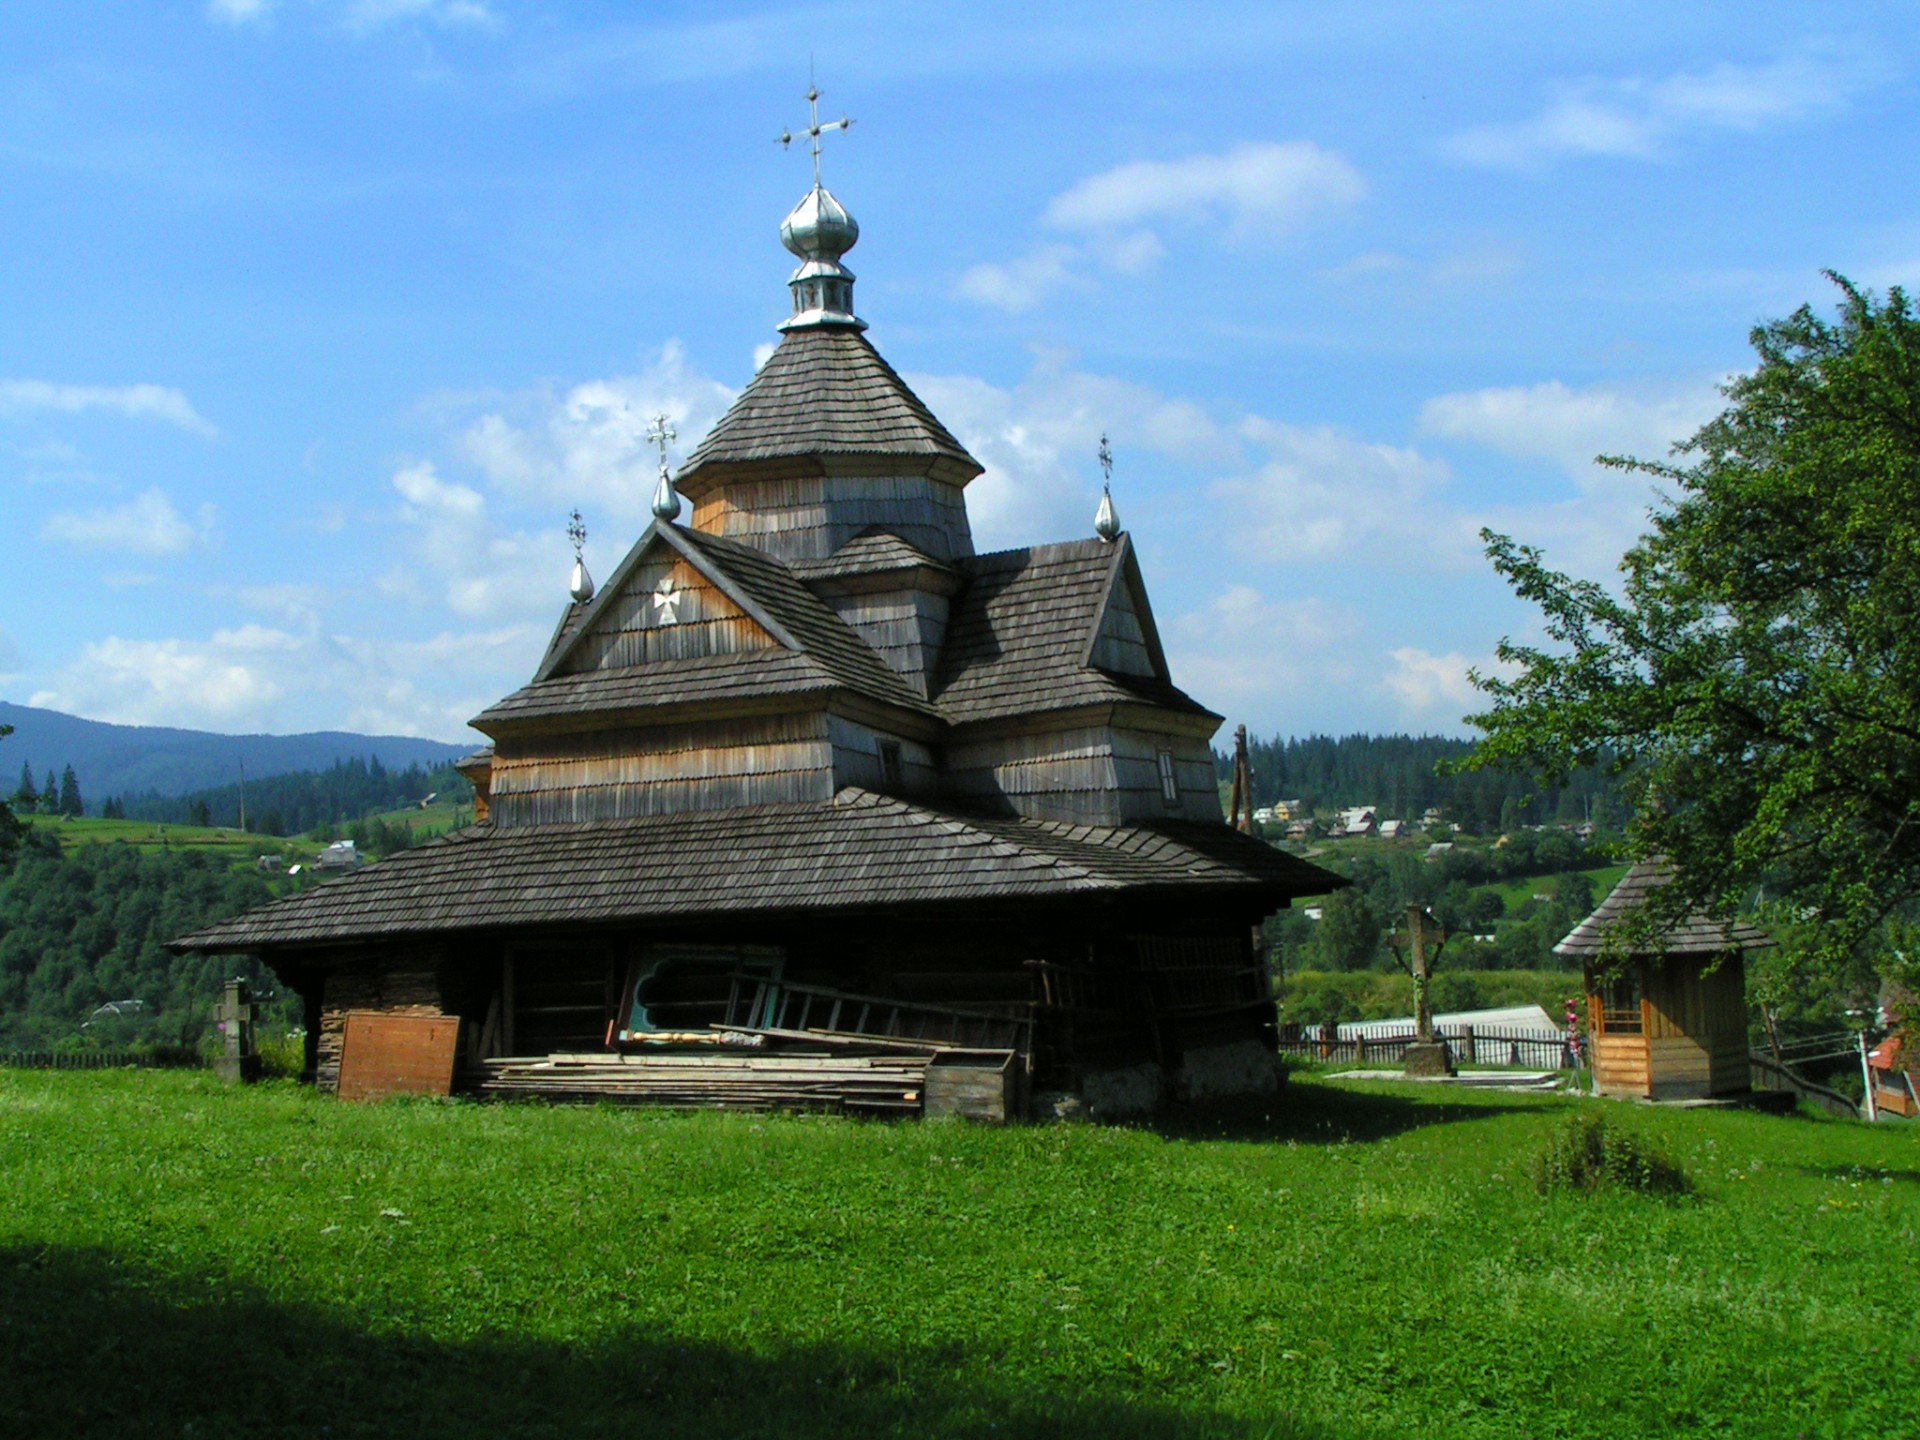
(814, 130)
(581, 586)
(660, 436)
(1106, 521)
(666, 500)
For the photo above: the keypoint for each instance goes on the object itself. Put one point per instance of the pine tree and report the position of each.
(50, 796)
(70, 803)
(27, 794)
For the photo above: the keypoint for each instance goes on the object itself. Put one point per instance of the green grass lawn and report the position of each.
(1515, 893)
(181, 1259)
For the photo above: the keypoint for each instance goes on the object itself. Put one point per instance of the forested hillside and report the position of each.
(1399, 775)
(296, 803)
(87, 925)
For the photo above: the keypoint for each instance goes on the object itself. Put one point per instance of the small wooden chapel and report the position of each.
(1668, 1015)
(811, 804)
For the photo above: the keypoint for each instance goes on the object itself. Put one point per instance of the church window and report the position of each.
(1169, 779)
(890, 764)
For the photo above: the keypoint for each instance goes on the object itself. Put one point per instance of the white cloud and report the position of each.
(1023, 282)
(1038, 442)
(1320, 493)
(136, 402)
(1430, 686)
(1254, 191)
(588, 446)
(146, 525)
(362, 16)
(254, 677)
(1638, 118)
(238, 12)
(1569, 427)
(1257, 657)
(478, 569)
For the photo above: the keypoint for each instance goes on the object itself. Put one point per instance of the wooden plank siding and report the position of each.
(907, 627)
(1121, 643)
(1620, 1065)
(856, 759)
(1098, 774)
(809, 517)
(625, 773)
(632, 629)
(1693, 1040)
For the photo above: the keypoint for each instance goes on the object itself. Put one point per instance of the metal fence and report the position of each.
(1471, 1045)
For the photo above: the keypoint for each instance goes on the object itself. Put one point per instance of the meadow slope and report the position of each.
(177, 1258)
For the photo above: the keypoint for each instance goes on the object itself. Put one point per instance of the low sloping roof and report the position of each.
(858, 851)
(1018, 637)
(870, 552)
(1695, 935)
(825, 393)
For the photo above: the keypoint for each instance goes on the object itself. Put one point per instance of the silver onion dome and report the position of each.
(581, 587)
(819, 231)
(819, 227)
(666, 499)
(1106, 520)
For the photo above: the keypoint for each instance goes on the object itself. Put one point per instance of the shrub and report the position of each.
(283, 1055)
(1586, 1154)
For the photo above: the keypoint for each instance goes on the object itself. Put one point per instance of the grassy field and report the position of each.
(1516, 893)
(180, 1259)
(148, 832)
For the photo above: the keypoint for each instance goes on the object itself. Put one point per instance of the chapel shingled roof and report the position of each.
(1695, 935)
(1018, 636)
(857, 851)
(824, 393)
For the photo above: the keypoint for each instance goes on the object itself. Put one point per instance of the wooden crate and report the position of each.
(383, 1054)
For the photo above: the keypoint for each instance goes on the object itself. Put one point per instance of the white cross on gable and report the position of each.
(666, 600)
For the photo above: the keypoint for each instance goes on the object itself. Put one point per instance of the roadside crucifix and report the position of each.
(1417, 940)
(239, 1059)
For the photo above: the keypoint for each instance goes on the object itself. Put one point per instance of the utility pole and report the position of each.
(243, 795)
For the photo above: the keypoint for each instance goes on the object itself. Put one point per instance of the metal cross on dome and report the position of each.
(576, 532)
(1106, 462)
(814, 130)
(661, 435)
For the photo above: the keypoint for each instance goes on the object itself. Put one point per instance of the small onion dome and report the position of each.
(582, 587)
(666, 499)
(1106, 520)
(819, 227)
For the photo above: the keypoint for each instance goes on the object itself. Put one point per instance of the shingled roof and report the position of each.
(1695, 935)
(1018, 637)
(828, 655)
(858, 851)
(827, 393)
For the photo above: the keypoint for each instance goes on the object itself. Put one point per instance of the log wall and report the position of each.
(1693, 1040)
(632, 628)
(810, 517)
(620, 774)
(401, 982)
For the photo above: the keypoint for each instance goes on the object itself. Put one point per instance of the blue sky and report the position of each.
(319, 315)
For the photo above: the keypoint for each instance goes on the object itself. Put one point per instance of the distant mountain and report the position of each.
(131, 759)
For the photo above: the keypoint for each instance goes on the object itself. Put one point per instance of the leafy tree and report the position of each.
(70, 801)
(1349, 932)
(1759, 672)
(10, 826)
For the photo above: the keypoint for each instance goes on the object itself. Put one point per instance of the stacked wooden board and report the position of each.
(889, 1082)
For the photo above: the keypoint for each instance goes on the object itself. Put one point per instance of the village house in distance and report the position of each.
(811, 804)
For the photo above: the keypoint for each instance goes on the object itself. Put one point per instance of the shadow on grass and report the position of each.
(102, 1348)
(1324, 1115)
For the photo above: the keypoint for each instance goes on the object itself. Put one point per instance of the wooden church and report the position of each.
(1668, 1016)
(811, 804)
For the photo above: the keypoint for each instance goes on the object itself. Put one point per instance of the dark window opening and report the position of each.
(1169, 779)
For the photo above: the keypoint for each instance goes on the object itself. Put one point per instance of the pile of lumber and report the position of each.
(889, 1082)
